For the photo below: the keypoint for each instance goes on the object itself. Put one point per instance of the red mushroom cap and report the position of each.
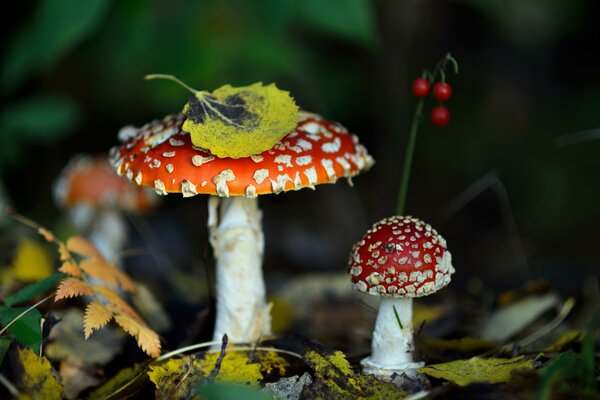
(90, 180)
(400, 257)
(160, 155)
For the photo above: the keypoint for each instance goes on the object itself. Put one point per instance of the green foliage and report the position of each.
(226, 391)
(4, 345)
(56, 27)
(38, 119)
(34, 289)
(27, 329)
(353, 20)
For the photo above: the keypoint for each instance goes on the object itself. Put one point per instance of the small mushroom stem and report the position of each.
(392, 344)
(105, 228)
(238, 243)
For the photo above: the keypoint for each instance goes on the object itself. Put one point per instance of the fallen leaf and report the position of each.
(77, 377)
(34, 289)
(513, 318)
(67, 342)
(32, 261)
(476, 369)
(34, 376)
(175, 377)
(563, 341)
(121, 386)
(335, 379)
(288, 388)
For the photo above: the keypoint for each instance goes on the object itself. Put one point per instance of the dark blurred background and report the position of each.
(512, 182)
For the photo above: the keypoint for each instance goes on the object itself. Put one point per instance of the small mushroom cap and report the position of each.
(90, 180)
(400, 257)
(160, 155)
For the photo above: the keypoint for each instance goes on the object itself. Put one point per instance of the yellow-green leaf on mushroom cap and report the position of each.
(239, 122)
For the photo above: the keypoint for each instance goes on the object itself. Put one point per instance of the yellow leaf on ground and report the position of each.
(125, 381)
(36, 380)
(96, 316)
(337, 380)
(236, 367)
(147, 339)
(72, 287)
(476, 369)
(567, 338)
(174, 378)
(32, 261)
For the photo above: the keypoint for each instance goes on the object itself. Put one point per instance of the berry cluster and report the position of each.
(440, 115)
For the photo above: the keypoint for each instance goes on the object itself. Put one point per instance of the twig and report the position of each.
(9, 386)
(238, 347)
(217, 368)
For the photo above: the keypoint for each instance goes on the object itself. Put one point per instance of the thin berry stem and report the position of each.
(408, 156)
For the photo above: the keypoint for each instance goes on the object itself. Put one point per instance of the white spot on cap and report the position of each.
(250, 191)
(198, 160)
(305, 144)
(138, 178)
(328, 165)
(159, 186)
(170, 168)
(188, 189)
(311, 174)
(284, 159)
(127, 132)
(303, 160)
(175, 142)
(311, 127)
(221, 182)
(260, 175)
(344, 164)
(256, 158)
(129, 174)
(332, 147)
(279, 185)
(297, 181)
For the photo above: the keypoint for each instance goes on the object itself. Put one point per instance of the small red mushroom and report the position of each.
(161, 155)
(95, 199)
(397, 259)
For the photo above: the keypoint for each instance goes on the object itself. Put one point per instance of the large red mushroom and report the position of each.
(398, 259)
(161, 155)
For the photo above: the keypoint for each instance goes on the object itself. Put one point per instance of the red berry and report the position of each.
(440, 116)
(420, 87)
(442, 91)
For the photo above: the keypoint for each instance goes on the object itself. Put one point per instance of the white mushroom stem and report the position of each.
(237, 239)
(392, 344)
(106, 228)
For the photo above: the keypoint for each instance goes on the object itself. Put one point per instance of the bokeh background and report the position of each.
(512, 183)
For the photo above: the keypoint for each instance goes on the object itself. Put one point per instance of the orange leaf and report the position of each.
(99, 269)
(147, 339)
(46, 234)
(63, 252)
(70, 268)
(72, 287)
(126, 283)
(81, 246)
(115, 303)
(96, 316)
